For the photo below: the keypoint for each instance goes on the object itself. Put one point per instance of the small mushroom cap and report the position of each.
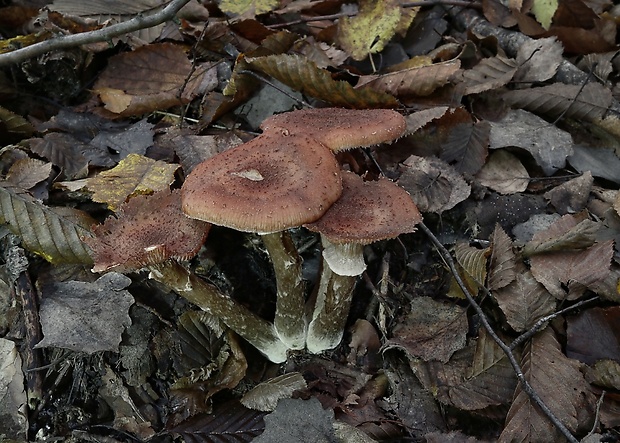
(341, 129)
(367, 212)
(269, 184)
(150, 229)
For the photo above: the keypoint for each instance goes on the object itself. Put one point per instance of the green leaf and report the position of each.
(303, 75)
(54, 234)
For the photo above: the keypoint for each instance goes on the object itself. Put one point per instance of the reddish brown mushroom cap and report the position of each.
(269, 184)
(148, 230)
(367, 212)
(341, 129)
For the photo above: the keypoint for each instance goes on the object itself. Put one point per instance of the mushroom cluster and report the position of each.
(286, 177)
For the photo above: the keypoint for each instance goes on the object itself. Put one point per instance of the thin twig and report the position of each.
(525, 385)
(100, 35)
(543, 321)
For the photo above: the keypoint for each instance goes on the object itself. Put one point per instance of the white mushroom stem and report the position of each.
(258, 332)
(342, 264)
(289, 321)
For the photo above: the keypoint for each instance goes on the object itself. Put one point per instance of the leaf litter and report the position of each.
(512, 169)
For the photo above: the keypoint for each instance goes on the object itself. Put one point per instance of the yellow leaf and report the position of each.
(133, 175)
(544, 10)
(370, 30)
(253, 7)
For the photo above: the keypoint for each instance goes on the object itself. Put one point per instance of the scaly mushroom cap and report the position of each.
(269, 184)
(367, 212)
(149, 230)
(341, 129)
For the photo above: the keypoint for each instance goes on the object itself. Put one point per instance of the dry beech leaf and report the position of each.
(27, 172)
(417, 120)
(567, 274)
(504, 173)
(548, 144)
(605, 373)
(538, 60)
(476, 377)
(502, 264)
(418, 81)
(473, 261)
(265, 396)
(134, 175)
(370, 29)
(304, 76)
(229, 422)
(150, 78)
(466, 146)
(86, 317)
(524, 301)
(133, 139)
(15, 124)
(433, 184)
(571, 196)
(560, 385)
(56, 234)
(602, 323)
(431, 331)
(571, 101)
(491, 73)
(64, 151)
(567, 233)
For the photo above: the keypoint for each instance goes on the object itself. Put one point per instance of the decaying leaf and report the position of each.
(303, 75)
(602, 323)
(538, 60)
(417, 120)
(64, 151)
(26, 173)
(490, 73)
(54, 234)
(13, 400)
(473, 262)
(475, 377)
(229, 422)
(567, 274)
(589, 103)
(567, 233)
(417, 81)
(298, 420)
(524, 301)
(545, 366)
(502, 263)
(504, 173)
(134, 175)
(431, 331)
(433, 184)
(371, 29)
(86, 317)
(572, 196)
(265, 396)
(14, 124)
(548, 144)
(150, 78)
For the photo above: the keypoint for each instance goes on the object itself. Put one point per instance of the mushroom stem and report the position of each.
(333, 301)
(289, 321)
(257, 331)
